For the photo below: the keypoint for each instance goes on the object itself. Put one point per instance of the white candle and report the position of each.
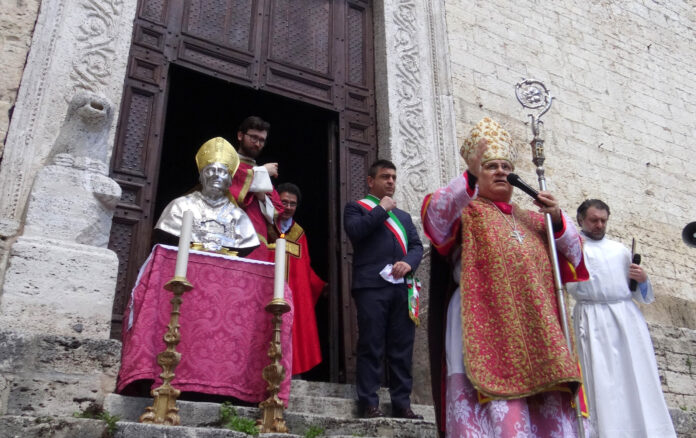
(279, 281)
(184, 243)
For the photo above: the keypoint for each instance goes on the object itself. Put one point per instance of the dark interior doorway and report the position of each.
(201, 107)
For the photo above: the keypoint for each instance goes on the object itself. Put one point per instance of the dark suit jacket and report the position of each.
(374, 246)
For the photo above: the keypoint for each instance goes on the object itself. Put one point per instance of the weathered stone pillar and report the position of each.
(57, 291)
(61, 277)
(415, 118)
(77, 45)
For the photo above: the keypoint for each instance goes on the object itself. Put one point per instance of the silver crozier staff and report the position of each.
(533, 95)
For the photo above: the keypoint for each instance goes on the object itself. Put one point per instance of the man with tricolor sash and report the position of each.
(386, 253)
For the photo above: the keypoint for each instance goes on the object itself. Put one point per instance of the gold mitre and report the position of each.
(499, 142)
(217, 150)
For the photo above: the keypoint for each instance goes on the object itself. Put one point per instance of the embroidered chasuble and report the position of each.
(513, 341)
(306, 288)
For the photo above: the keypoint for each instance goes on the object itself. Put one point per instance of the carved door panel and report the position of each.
(314, 51)
(357, 148)
(135, 159)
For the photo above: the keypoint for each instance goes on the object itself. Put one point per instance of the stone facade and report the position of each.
(17, 20)
(674, 349)
(620, 129)
(56, 207)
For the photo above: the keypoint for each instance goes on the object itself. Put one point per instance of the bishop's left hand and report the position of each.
(548, 204)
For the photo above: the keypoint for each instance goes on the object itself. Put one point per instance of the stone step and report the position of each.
(321, 414)
(15, 426)
(344, 408)
(328, 389)
(376, 428)
(137, 430)
(326, 406)
(337, 400)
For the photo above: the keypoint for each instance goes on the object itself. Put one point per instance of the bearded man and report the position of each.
(618, 361)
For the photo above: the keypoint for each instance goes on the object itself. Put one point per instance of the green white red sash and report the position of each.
(392, 222)
(394, 225)
(414, 287)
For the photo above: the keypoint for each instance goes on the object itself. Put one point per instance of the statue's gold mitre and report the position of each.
(499, 142)
(217, 150)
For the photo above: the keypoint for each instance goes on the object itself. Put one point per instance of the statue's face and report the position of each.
(215, 180)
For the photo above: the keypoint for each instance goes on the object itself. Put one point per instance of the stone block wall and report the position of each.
(675, 350)
(49, 375)
(622, 126)
(17, 18)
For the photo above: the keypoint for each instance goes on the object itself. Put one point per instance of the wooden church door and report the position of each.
(318, 52)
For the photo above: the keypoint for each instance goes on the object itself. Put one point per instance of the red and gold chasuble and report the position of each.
(513, 341)
(306, 288)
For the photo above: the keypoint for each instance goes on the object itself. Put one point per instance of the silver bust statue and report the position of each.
(218, 224)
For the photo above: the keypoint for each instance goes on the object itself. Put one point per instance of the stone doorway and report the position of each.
(302, 139)
(318, 52)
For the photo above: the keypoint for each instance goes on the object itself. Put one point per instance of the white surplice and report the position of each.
(616, 353)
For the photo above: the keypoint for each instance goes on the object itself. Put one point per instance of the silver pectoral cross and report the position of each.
(516, 234)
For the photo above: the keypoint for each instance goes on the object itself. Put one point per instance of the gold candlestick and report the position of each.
(274, 374)
(164, 410)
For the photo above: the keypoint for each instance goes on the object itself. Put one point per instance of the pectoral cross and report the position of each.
(516, 234)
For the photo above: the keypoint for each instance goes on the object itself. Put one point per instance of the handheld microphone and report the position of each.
(516, 181)
(633, 284)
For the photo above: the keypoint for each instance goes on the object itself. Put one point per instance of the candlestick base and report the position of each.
(178, 283)
(164, 410)
(277, 305)
(272, 408)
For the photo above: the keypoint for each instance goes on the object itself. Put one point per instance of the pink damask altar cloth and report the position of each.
(225, 330)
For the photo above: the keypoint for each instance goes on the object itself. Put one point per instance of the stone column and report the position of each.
(77, 45)
(61, 277)
(415, 117)
(57, 293)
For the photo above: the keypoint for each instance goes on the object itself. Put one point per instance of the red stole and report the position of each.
(247, 201)
(306, 288)
(513, 342)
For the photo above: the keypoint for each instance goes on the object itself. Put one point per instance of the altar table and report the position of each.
(225, 330)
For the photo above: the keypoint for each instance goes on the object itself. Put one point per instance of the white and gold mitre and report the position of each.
(499, 142)
(217, 150)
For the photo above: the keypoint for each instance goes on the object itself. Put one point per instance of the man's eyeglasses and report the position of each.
(288, 204)
(256, 138)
